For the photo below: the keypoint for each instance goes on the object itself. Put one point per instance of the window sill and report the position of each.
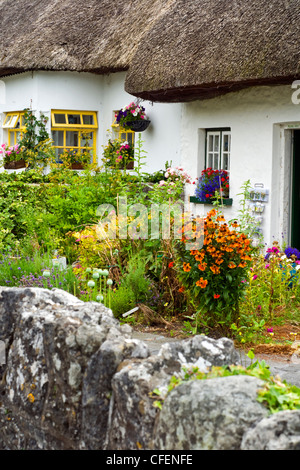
(226, 201)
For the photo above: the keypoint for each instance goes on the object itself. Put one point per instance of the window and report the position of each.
(74, 131)
(124, 135)
(218, 146)
(14, 123)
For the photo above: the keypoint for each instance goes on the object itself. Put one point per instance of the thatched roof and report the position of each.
(203, 48)
(172, 50)
(96, 36)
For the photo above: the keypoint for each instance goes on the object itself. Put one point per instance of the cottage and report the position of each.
(68, 61)
(234, 67)
(218, 79)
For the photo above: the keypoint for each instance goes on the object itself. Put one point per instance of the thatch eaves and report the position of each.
(205, 48)
(97, 36)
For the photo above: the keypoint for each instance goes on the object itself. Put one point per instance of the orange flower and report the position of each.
(235, 224)
(231, 265)
(215, 269)
(187, 267)
(181, 289)
(202, 283)
(202, 266)
(199, 256)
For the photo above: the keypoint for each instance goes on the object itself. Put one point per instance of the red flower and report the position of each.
(171, 264)
(216, 296)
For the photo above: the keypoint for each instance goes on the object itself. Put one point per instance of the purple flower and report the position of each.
(292, 251)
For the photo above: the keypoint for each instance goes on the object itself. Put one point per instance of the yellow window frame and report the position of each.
(81, 128)
(10, 123)
(70, 112)
(121, 133)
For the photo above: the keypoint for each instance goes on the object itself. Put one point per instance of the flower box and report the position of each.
(226, 201)
(77, 166)
(15, 165)
(210, 183)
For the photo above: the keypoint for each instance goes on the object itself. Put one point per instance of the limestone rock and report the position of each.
(51, 338)
(280, 431)
(133, 413)
(211, 414)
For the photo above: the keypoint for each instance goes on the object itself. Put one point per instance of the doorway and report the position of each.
(295, 191)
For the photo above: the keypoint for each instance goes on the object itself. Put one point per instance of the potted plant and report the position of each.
(13, 156)
(132, 117)
(210, 183)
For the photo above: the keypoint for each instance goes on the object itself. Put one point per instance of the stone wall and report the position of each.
(74, 378)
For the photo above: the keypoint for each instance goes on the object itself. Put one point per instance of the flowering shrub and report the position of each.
(172, 186)
(11, 153)
(131, 112)
(118, 154)
(274, 281)
(210, 182)
(292, 253)
(216, 274)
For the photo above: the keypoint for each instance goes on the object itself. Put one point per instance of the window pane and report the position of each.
(60, 119)
(210, 143)
(216, 143)
(74, 119)
(86, 139)
(225, 165)
(226, 143)
(11, 121)
(58, 138)
(88, 119)
(209, 163)
(216, 162)
(12, 138)
(72, 139)
(130, 138)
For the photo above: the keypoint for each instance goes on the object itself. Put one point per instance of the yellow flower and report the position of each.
(30, 397)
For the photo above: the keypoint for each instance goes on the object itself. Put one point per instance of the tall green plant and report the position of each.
(247, 222)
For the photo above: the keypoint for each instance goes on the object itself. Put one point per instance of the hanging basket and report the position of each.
(138, 126)
(15, 165)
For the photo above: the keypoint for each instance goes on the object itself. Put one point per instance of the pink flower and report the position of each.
(254, 277)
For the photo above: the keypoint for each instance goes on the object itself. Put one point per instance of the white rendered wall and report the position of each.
(260, 147)
(161, 141)
(42, 91)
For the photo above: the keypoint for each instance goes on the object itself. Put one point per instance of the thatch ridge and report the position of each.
(204, 48)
